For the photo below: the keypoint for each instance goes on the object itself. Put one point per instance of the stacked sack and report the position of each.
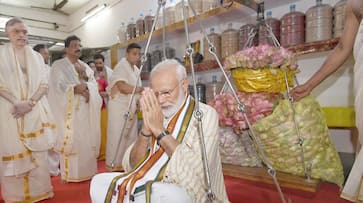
(262, 75)
(237, 149)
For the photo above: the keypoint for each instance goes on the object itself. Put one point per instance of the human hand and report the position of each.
(83, 76)
(104, 94)
(80, 88)
(145, 128)
(300, 92)
(139, 90)
(79, 67)
(21, 108)
(81, 70)
(86, 95)
(151, 112)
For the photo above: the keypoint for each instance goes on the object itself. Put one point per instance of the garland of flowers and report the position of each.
(263, 56)
(258, 105)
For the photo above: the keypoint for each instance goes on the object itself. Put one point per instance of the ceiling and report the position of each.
(66, 7)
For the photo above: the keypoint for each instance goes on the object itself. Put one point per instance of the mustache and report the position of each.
(166, 105)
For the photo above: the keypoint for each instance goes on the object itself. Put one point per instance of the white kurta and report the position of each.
(25, 141)
(185, 167)
(78, 122)
(117, 107)
(353, 189)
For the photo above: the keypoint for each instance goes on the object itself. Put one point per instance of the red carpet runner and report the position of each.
(238, 191)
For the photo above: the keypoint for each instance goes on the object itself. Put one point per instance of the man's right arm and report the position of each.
(338, 56)
(126, 88)
(8, 96)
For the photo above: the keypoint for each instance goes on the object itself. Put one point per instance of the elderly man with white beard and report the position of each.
(165, 163)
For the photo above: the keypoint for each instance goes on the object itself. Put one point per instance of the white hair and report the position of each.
(12, 22)
(181, 73)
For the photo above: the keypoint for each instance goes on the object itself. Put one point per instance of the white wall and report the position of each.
(101, 30)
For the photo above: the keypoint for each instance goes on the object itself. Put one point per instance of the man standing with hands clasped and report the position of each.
(76, 103)
(26, 126)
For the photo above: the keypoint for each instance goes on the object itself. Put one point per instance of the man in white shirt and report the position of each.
(120, 87)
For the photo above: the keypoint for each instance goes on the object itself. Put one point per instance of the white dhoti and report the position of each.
(117, 110)
(53, 161)
(353, 189)
(31, 186)
(24, 142)
(161, 192)
(78, 121)
(118, 106)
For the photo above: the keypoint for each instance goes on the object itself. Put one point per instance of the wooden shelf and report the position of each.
(204, 66)
(178, 26)
(260, 175)
(249, 3)
(301, 49)
(238, 8)
(313, 47)
(199, 67)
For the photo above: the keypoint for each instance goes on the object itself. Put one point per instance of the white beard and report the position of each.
(169, 109)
